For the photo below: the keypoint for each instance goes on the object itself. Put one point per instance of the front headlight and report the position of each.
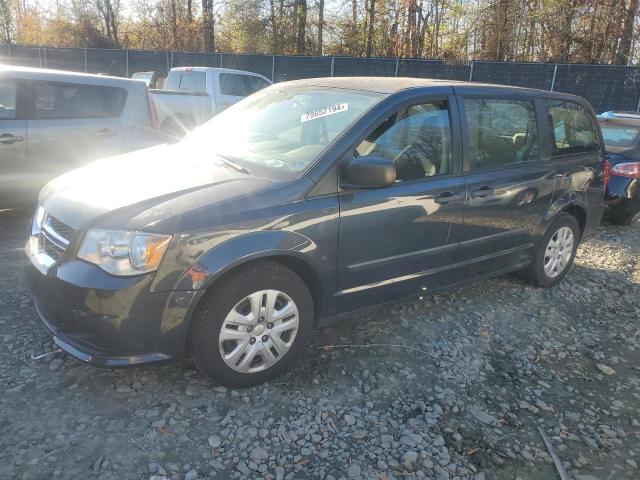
(122, 252)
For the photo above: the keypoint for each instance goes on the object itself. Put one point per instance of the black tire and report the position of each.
(535, 273)
(627, 211)
(209, 318)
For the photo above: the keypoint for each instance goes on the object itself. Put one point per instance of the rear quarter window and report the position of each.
(69, 101)
(572, 127)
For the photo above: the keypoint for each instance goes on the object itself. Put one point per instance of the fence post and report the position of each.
(127, 62)
(168, 67)
(10, 57)
(553, 80)
(638, 105)
(171, 58)
(273, 68)
(471, 72)
(40, 57)
(397, 64)
(45, 57)
(333, 64)
(86, 64)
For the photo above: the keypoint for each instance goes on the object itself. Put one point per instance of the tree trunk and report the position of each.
(207, 25)
(274, 26)
(320, 25)
(174, 26)
(302, 27)
(189, 11)
(372, 19)
(624, 49)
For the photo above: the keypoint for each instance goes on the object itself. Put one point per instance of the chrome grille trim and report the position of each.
(52, 235)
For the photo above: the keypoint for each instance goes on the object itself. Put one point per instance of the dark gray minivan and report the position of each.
(308, 201)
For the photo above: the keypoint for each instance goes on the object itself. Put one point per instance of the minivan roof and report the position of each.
(66, 76)
(389, 85)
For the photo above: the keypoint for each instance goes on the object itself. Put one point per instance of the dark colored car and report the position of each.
(306, 202)
(621, 135)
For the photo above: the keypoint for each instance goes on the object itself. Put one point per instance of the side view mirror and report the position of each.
(368, 171)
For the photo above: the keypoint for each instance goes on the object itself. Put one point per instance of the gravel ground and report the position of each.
(461, 390)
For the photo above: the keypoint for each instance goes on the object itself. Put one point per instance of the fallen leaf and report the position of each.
(604, 369)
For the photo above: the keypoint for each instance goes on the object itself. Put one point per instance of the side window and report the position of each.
(8, 96)
(233, 84)
(193, 82)
(572, 128)
(501, 132)
(417, 139)
(66, 100)
(255, 83)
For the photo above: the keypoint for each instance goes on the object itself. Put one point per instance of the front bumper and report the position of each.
(110, 321)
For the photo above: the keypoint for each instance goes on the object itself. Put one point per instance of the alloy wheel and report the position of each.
(258, 331)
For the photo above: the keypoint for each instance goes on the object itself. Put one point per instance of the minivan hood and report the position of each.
(148, 176)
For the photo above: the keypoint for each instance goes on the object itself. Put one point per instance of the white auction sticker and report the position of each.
(323, 112)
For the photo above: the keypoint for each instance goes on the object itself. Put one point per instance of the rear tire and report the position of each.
(627, 213)
(251, 327)
(555, 254)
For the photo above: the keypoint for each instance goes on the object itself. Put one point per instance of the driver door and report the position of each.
(400, 240)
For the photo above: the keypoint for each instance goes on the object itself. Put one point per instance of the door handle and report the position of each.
(105, 133)
(8, 139)
(482, 192)
(448, 197)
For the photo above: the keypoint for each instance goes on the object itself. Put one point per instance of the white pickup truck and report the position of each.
(192, 95)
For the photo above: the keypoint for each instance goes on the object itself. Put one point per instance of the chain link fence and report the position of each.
(607, 87)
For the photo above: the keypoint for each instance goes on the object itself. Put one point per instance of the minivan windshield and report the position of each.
(619, 135)
(280, 131)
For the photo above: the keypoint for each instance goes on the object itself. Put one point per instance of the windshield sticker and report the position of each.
(324, 112)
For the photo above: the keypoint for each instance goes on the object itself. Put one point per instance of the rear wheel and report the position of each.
(555, 253)
(627, 213)
(251, 328)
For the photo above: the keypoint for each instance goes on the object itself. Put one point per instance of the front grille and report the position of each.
(55, 237)
(62, 229)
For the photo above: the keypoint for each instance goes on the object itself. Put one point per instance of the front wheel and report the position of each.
(251, 328)
(555, 253)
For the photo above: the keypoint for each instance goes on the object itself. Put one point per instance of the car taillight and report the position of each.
(606, 172)
(627, 169)
(153, 114)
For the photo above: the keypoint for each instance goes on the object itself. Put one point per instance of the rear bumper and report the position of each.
(110, 321)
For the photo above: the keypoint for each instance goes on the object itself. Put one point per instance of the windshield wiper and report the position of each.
(233, 164)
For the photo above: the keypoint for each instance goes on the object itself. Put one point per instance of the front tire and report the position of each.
(555, 254)
(251, 327)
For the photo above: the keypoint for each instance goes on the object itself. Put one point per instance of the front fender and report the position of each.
(240, 249)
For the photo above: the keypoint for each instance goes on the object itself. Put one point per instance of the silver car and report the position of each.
(52, 122)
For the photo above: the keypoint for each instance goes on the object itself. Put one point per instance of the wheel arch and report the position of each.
(574, 204)
(292, 250)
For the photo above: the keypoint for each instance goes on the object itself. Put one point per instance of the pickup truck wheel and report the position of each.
(627, 213)
(555, 254)
(251, 328)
